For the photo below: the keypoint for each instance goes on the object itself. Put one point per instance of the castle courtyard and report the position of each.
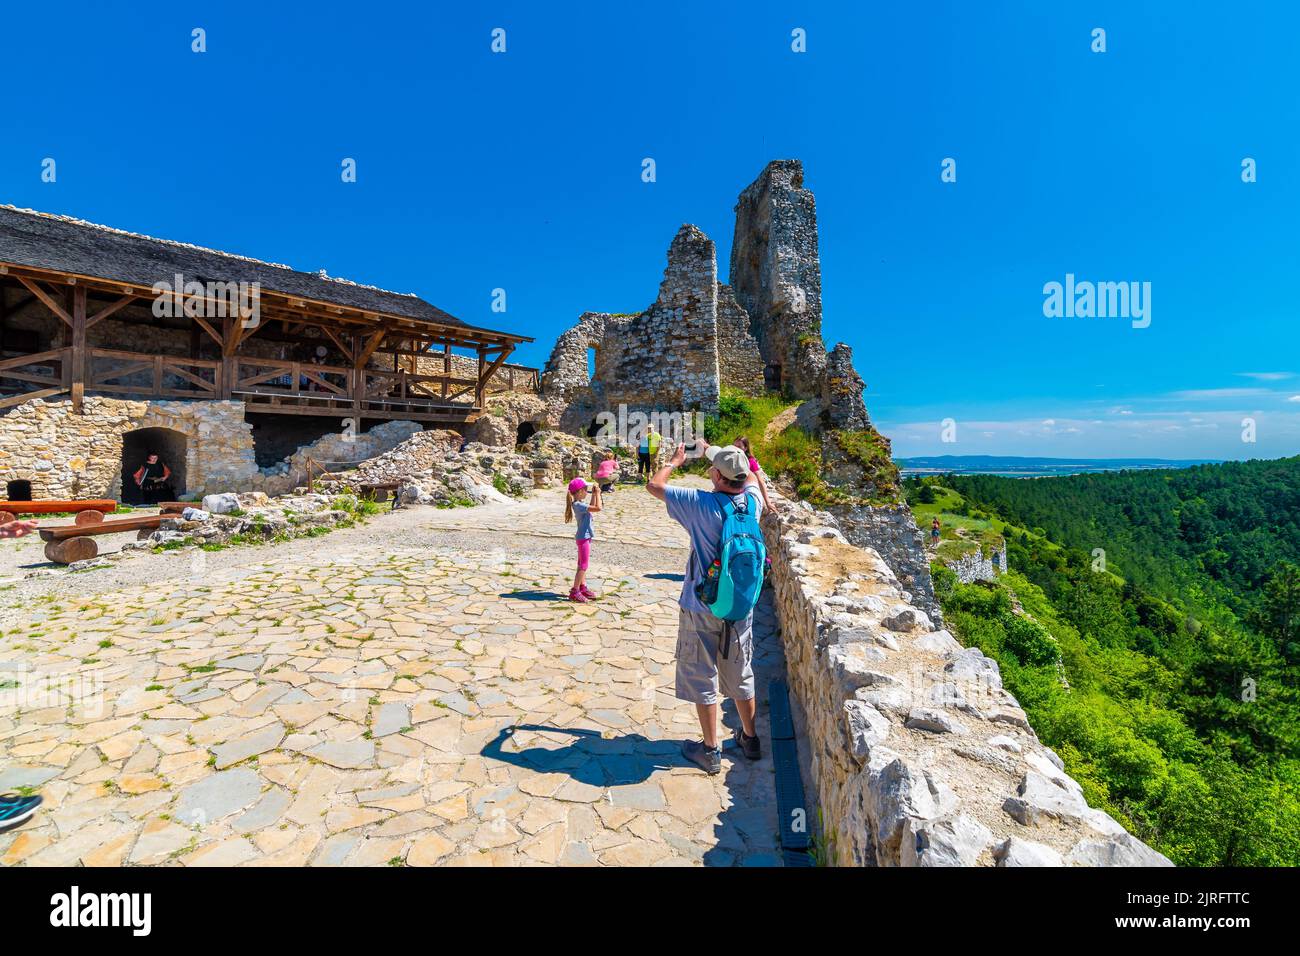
(411, 691)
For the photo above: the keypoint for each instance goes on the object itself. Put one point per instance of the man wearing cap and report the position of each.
(705, 674)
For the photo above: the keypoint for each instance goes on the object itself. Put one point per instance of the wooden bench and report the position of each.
(87, 512)
(75, 542)
(379, 490)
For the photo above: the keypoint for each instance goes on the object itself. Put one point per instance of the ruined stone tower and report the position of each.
(777, 276)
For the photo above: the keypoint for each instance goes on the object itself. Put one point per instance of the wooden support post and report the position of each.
(227, 376)
(482, 382)
(78, 356)
(359, 361)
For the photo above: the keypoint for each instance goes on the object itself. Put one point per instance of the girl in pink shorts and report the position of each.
(576, 503)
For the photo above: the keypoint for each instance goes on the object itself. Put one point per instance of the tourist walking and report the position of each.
(934, 532)
(646, 452)
(715, 656)
(576, 505)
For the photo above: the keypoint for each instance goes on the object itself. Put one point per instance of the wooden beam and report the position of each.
(486, 373)
(78, 358)
(35, 289)
(13, 400)
(227, 376)
(108, 309)
(368, 349)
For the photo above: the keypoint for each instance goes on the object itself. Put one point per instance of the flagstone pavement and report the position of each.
(356, 700)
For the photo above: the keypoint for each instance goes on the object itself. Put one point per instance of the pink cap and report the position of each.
(577, 485)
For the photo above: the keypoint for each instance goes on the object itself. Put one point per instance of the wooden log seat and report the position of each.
(75, 542)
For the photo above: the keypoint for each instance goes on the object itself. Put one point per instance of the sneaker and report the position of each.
(749, 746)
(588, 593)
(15, 809)
(710, 761)
(577, 597)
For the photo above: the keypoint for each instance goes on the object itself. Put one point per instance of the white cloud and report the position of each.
(1267, 376)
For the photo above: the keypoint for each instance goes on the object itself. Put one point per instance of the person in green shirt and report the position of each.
(646, 452)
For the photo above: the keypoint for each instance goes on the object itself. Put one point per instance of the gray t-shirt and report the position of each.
(700, 513)
(582, 512)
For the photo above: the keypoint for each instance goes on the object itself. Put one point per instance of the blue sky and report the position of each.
(522, 171)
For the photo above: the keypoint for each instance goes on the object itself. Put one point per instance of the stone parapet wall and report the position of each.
(918, 755)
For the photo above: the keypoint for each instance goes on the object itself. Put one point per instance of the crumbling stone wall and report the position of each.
(776, 274)
(664, 359)
(740, 364)
(918, 755)
(974, 566)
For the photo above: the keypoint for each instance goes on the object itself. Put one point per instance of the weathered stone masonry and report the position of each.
(672, 357)
(918, 756)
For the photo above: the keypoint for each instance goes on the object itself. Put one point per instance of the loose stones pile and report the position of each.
(919, 755)
(251, 516)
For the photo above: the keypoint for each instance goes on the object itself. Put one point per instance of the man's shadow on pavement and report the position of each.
(591, 759)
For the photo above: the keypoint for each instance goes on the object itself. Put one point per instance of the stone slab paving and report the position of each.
(384, 707)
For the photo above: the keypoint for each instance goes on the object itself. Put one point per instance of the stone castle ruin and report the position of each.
(760, 333)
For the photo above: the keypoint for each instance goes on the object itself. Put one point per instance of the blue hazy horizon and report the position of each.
(522, 171)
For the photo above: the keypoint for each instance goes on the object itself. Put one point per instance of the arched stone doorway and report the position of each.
(171, 447)
(525, 431)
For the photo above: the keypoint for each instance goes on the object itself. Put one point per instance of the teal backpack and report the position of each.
(730, 588)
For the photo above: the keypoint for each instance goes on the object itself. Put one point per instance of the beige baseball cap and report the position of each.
(731, 462)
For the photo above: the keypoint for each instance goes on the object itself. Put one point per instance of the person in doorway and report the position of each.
(646, 452)
(705, 672)
(153, 478)
(576, 505)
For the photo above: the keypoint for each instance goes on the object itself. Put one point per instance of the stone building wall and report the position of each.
(776, 273)
(66, 455)
(918, 756)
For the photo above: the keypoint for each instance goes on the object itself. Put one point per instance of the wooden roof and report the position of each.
(63, 244)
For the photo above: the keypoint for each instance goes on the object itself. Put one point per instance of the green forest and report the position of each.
(1150, 627)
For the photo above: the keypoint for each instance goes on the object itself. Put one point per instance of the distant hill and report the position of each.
(1013, 466)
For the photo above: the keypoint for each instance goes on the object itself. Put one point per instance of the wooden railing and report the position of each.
(402, 386)
(510, 377)
(168, 376)
(258, 376)
(29, 370)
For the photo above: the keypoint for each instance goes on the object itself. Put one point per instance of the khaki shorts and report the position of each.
(702, 671)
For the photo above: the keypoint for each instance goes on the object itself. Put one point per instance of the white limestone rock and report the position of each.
(222, 504)
(1122, 849)
(951, 841)
(1014, 851)
(868, 728)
